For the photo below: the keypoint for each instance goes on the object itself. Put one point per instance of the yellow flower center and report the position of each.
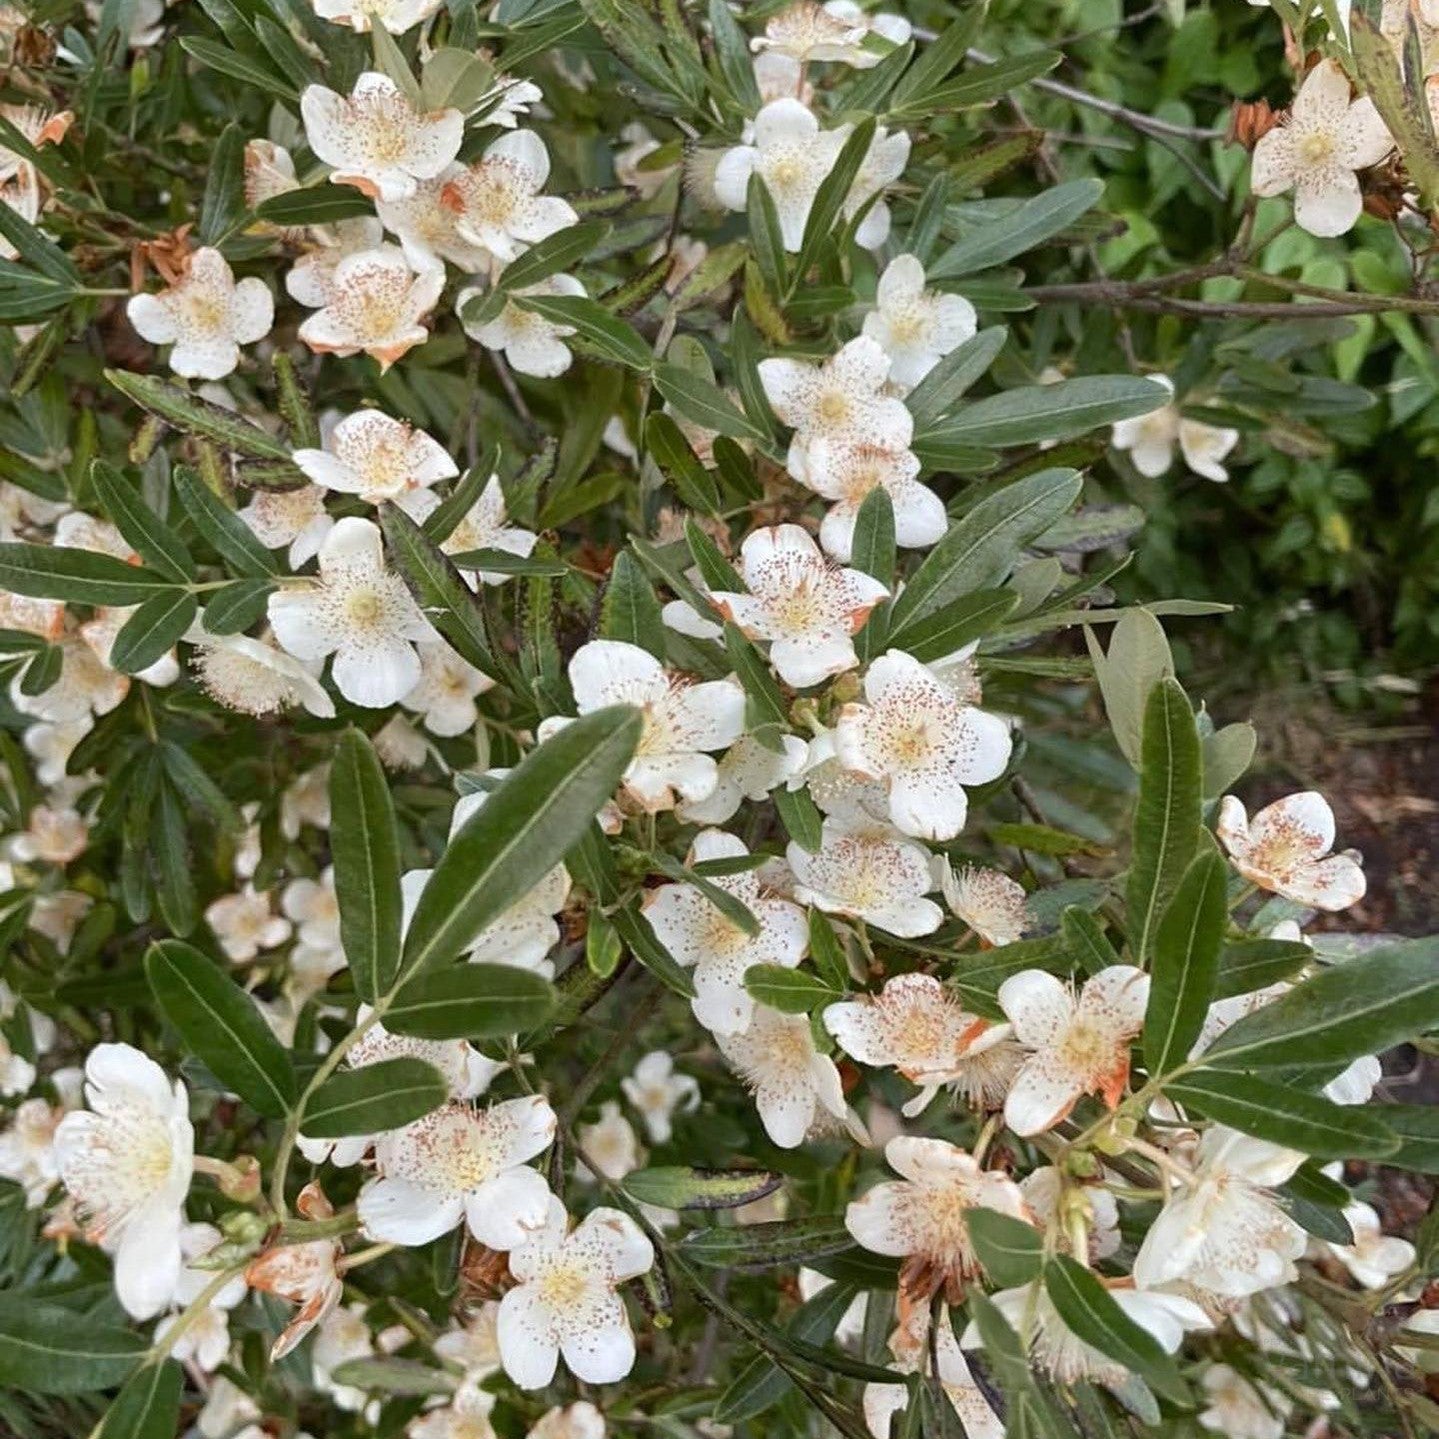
(1317, 148)
(563, 1286)
(363, 607)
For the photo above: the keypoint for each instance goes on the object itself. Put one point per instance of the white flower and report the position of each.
(206, 316)
(532, 344)
(841, 793)
(377, 458)
(806, 608)
(86, 687)
(565, 1301)
(55, 833)
(486, 527)
(269, 171)
(497, 202)
(683, 722)
(228, 1413)
(1150, 440)
(883, 164)
(1067, 1358)
(580, 1421)
(27, 1144)
(1080, 1044)
(475, 1346)
(1286, 848)
(835, 31)
(17, 1074)
(376, 140)
(445, 692)
(289, 518)
(699, 935)
(1375, 1257)
(396, 16)
(306, 800)
(127, 1162)
(748, 770)
(1071, 1210)
(915, 327)
(869, 873)
(462, 1163)
(911, 1349)
(1239, 1408)
(466, 1416)
(1316, 152)
(207, 1341)
(914, 1026)
(845, 472)
(922, 1217)
(1224, 1232)
(245, 924)
(792, 1082)
(610, 1145)
(311, 279)
(312, 907)
(427, 226)
(255, 676)
(841, 403)
(915, 735)
(793, 157)
(360, 612)
(994, 906)
(657, 1091)
(376, 303)
(1355, 1084)
(341, 1335)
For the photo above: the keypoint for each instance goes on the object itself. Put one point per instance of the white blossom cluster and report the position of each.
(1182, 1219)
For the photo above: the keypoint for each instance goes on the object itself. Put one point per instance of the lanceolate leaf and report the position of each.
(1037, 414)
(152, 630)
(365, 849)
(538, 812)
(231, 538)
(222, 1025)
(791, 991)
(682, 1187)
(763, 1246)
(151, 538)
(1186, 960)
(46, 1349)
(1011, 1251)
(471, 1001)
(148, 1407)
(1087, 940)
(1095, 1316)
(1166, 823)
(1249, 965)
(82, 577)
(1287, 1115)
(373, 1098)
(1360, 1007)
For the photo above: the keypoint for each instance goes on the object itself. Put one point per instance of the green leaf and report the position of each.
(394, 1376)
(539, 811)
(321, 204)
(1186, 962)
(472, 1001)
(873, 549)
(800, 816)
(681, 1186)
(373, 1098)
(1286, 1115)
(365, 851)
(144, 531)
(1088, 1309)
(791, 991)
(934, 396)
(704, 403)
(1085, 937)
(236, 606)
(36, 248)
(152, 630)
(680, 465)
(45, 1349)
(765, 234)
(607, 335)
(239, 67)
(1363, 1006)
(1166, 822)
(1011, 1251)
(1401, 105)
(732, 52)
(1249, 965)
(752, 1247)
(629, 610)
(1137, 659)
(230, 537)
(1029, 224)
(824, 213)
(451, 606)
(221, 1025)
(981, 549)
(952, 626)
(641, 942)
(82, 577)
(1039, 414)
(148, 1407)
(224, 199)
(979, 86)
(195, 416)
(552, 255)
(827, 952)
(735, 911)
(1228, 753)
(1417, 1128)
(766, 705)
